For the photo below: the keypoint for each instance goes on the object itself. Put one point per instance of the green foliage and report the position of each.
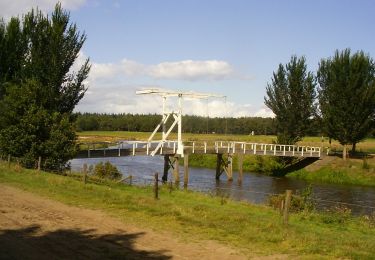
(291, 96)
(347, 96)
(365, 164)
(258, 164)
(38, 92)
(267, 164)
(301, 201)
(106, 171)
(337, 215)
(344, 175)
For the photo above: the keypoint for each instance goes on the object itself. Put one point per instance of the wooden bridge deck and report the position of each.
(135, 148)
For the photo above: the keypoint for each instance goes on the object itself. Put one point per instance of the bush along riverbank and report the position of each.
(192, 216)
(267, 165)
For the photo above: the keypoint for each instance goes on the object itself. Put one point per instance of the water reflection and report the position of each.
(254, 188)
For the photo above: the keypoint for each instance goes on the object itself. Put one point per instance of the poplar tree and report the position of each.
(38, 89)
(347, 96)
(290, 96)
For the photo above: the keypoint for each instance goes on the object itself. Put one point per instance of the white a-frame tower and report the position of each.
(177, 116)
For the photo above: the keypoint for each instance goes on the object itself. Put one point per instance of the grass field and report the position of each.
(254, 229)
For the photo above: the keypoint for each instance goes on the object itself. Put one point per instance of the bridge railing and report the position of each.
(160, 146)
(149, 146)
(255, 148)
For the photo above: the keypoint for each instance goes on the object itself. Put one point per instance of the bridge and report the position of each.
(174, 150)
(169, 149)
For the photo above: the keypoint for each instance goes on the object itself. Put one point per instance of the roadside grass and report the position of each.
(253, 229)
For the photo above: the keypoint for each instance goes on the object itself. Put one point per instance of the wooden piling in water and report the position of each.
(230, 167)
(240, 168)
(166, 168)
(186, 170)
(219, 160)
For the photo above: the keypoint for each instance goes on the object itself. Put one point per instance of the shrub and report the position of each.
(107, 171)
(299, 202)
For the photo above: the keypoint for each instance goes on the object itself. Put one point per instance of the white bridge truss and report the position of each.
(175, 116)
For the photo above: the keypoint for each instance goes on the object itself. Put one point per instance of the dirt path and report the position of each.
(32, 227)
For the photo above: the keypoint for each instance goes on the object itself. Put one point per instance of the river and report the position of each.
(254, 188)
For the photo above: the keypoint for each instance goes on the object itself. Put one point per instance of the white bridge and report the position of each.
(176, 149)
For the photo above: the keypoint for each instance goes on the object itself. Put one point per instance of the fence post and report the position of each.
(156, 186)
(8, 160)
(84, 173)
(39, 162)
(281, 207)
(288, 196)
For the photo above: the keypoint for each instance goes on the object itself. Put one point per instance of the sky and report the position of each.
(224, 47)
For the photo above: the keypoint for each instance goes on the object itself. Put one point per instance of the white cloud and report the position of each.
(111, 91)
(9, 8)
(187, 70)
(192, 70)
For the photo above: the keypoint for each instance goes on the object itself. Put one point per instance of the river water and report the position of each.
(255, 187)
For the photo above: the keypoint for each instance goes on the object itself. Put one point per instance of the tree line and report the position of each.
(340, 96)
(190, 123)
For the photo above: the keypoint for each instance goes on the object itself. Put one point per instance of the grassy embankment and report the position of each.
(353, 171)
(192, 216)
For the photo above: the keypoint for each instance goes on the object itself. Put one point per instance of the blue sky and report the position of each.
(226, 47)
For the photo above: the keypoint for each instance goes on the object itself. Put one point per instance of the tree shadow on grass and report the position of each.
(28, 243)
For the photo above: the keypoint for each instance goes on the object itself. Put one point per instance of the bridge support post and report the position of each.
(230, 167)
(219, 162)
(186, 170)
(166, 168)
(176, 170)
(240, 168)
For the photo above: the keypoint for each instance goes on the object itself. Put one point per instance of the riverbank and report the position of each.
(327, 170)
(336, 170)
(251, 229)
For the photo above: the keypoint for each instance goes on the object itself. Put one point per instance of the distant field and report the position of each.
(368, 145)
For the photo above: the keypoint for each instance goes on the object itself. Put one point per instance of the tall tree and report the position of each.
(291, 96)
(40, 90)
(347, 96)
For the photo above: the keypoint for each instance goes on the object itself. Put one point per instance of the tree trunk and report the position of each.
(353, 147)
(344, 153)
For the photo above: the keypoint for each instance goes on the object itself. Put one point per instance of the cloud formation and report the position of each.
(188, 70)
(112, 88)
(192, 70)
(9, 8)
